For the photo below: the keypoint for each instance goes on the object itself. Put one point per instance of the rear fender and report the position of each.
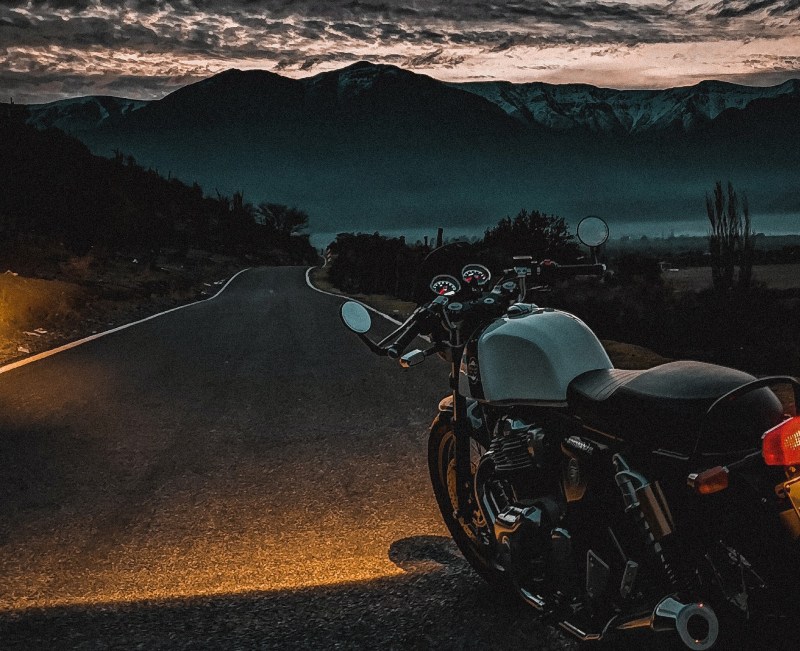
(751, 408)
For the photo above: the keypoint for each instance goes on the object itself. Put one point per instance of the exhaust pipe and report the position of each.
(696, 624)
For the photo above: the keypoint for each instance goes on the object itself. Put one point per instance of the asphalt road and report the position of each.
(241, 473)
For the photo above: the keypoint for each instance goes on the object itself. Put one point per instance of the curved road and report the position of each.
(241, 473)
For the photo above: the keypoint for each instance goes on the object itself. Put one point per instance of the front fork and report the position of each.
(461, 431)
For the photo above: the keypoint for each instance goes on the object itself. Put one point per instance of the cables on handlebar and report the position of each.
(396, 349)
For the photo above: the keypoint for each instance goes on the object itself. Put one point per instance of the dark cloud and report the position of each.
(46, 86)
(298, 60)
(745, 8)
(302, 35)
(737, 8)
(781, 8)
(352, 30)
(308, 64)
(496, 26)
(434, 58)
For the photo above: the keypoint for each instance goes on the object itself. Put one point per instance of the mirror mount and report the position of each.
(357, 319)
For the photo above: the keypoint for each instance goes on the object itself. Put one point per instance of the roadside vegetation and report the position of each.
(88, 242)
(734, 319)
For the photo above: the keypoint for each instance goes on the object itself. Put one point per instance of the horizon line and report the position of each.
(413, 72)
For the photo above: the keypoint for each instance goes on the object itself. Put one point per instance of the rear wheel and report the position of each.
(468, 528)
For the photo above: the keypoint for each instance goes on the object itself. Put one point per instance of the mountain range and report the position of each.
(576, 106)
(374, 146)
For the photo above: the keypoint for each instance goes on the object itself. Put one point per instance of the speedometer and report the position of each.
(445, 285)
(475, 275)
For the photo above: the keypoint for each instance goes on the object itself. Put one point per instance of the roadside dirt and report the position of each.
(85, 295)
(387, 304)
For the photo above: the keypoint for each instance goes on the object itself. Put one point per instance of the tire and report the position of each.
(441, 464)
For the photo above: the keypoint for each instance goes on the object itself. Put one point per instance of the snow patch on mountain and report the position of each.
(570, 106)
(81, 113)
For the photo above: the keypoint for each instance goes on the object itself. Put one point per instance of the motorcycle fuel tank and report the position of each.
(529, 357)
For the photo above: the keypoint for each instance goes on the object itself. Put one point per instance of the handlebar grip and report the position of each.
(396, 349)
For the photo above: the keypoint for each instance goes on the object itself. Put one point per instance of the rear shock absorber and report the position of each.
(646, 503)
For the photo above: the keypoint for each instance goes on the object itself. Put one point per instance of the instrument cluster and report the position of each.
(473, 275)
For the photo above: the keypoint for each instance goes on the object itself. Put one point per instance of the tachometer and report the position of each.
(445, 285)
(475, 275)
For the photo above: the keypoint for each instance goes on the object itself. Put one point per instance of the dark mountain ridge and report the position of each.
(374, 146)
(556, 106)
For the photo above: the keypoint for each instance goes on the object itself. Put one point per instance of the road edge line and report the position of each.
(73, 344)
(347, 298)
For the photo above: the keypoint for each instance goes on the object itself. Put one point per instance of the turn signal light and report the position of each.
(709, 481)
(780, 446)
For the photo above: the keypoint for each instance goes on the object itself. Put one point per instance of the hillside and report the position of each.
(87, 243)
(377, 147)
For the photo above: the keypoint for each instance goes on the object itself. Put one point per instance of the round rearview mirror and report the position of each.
(592, 231)
(356, 317)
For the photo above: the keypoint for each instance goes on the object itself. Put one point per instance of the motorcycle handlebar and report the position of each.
(396, 349)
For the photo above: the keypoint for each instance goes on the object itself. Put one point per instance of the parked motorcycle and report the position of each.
(611, 500)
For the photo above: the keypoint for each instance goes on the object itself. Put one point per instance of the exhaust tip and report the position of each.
(696, 624)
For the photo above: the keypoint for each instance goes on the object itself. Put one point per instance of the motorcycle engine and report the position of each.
(519, 451)
(526, 504)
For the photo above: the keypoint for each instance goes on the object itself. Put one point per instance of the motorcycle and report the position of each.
(610, 500)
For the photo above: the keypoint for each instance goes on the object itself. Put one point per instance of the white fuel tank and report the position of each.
(530, 358)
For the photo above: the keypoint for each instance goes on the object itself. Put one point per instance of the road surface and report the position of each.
(241, 473)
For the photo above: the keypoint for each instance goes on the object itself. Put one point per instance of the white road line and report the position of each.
(73, 344)
(372, 309)
(344, 298)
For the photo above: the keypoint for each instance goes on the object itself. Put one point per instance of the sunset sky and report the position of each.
(146, 48)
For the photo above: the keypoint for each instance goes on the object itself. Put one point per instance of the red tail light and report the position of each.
(780, 446)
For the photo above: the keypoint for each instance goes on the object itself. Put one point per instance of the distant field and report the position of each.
(776, 276)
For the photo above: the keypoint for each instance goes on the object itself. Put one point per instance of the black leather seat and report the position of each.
(664, 406)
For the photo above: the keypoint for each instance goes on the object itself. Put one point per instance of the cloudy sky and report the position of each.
(50, 49)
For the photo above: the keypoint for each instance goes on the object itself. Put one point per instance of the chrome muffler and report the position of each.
(696, 624)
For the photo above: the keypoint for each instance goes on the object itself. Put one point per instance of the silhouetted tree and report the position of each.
(730, 241)
(532, 233)
(374, 264)
(378, 264)
(283, 219)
